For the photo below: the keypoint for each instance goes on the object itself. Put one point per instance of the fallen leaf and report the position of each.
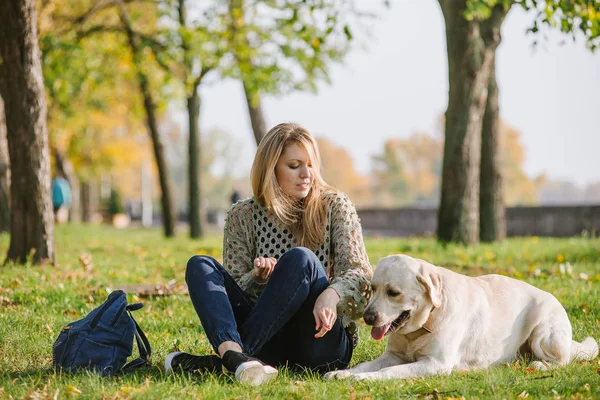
(73, 390)
(523, 394)
(587, 387)
(85, 259)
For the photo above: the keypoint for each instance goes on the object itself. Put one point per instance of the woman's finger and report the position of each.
(265, 272)
(321, 333)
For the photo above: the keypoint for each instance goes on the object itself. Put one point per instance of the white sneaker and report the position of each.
(255, 373)
(248, 370)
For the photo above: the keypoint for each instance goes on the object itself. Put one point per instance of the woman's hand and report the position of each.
(325, 311)
(263, 267)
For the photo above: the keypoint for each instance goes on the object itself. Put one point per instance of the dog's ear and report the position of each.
(432, 281)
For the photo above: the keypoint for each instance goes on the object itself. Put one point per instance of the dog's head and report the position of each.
(405, 290)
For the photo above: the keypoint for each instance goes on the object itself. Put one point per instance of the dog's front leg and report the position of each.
(384, 361)
(422, 367)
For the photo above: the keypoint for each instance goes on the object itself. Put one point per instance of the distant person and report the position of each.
(235, 196)
(61, 199)
(293, 258)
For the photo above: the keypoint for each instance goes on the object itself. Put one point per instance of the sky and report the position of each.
(396, 83)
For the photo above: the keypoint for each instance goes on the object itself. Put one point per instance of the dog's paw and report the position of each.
(540, 365)
(337, 375)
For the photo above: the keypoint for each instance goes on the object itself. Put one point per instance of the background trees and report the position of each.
(472, 117)
(22, 89)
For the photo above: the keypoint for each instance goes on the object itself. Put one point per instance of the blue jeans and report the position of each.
(279, 328)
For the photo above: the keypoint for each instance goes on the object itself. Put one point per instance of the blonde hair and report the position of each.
(306, 218)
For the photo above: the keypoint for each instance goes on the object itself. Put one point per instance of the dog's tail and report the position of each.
(586, 350)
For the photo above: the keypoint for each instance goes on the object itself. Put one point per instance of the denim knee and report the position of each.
(299, 257)
(299, 262)
(198, 267)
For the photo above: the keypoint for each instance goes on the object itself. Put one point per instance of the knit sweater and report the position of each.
(251, 231)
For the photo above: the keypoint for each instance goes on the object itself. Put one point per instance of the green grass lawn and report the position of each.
(36, 302)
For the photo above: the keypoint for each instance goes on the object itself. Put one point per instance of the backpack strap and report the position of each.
(143, 346)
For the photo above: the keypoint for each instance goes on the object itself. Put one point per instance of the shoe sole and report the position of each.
(169, 360)
(254, 373)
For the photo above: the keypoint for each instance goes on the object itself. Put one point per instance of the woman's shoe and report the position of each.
(248, 370)
(179, 361)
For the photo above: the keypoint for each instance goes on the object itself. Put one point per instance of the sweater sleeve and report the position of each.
(352, 271)
(238, 245)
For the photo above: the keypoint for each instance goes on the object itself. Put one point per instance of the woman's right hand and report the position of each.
(263, 267)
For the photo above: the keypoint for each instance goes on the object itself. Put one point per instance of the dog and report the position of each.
(439, 321)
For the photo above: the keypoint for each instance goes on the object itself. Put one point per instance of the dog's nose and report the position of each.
(371, 317)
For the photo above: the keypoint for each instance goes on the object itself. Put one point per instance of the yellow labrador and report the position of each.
(438, 321)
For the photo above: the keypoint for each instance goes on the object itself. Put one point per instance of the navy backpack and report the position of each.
(103, 340)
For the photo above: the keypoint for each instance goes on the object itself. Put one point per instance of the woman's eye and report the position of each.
(392, 293)
(293, 166)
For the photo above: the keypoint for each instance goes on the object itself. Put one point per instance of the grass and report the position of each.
(37, 301)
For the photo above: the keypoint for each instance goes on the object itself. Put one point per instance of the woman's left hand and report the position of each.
(325, 311)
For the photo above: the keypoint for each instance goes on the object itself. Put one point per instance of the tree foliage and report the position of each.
(408, 171)
(571, 17)
(338, 170)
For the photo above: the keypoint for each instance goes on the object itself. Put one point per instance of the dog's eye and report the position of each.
(392, 293)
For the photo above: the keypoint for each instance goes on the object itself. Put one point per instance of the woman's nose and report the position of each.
(304, 172)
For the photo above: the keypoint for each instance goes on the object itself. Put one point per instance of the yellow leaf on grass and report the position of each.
(73, 390)
(523, 394)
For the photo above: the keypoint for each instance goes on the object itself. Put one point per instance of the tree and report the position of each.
(286, 45)
(22, 89)
(134, 41)
(492, 220)
(338, 171)
(471, 54)
(95, 112)
(113, 17)
(517, 187)
(389, 177)
(4, 174)
(408, 171)
(472, 36)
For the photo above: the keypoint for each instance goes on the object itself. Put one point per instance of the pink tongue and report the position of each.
(379, 332)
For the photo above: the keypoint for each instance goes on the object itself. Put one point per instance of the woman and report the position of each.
(295, 271)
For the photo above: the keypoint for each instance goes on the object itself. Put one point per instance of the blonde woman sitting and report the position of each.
(294, 276)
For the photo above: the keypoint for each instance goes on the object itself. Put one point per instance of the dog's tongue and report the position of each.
(379, 332)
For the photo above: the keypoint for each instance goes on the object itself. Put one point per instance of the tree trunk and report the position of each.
(168, 210)
(194, 156)
(193, 104)
(22, 88)
(471, 48)
(89, 200)
(256, 114)
(239, 38)
(492, 223)
(4, 174)
(65, 167)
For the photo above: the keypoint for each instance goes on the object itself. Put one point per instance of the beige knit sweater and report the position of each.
(250, 232)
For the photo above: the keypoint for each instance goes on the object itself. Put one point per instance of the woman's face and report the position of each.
(294, 171)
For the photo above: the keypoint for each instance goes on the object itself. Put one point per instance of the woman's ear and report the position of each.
(432, 281)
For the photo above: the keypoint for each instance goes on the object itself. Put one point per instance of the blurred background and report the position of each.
(158, 104)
